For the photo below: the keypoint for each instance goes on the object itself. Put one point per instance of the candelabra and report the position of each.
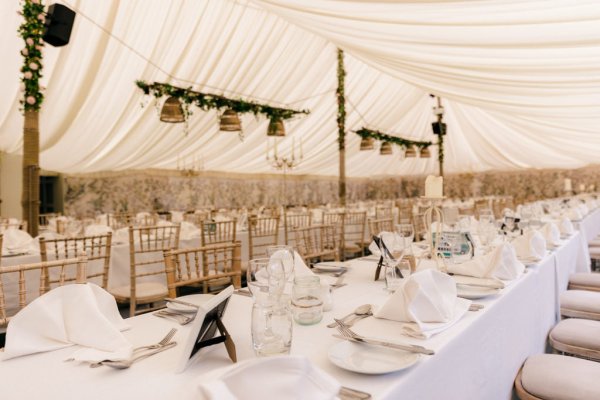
(284, 163)
(192, 169)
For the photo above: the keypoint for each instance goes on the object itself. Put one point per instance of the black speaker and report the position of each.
(439, 128)
(59, 22)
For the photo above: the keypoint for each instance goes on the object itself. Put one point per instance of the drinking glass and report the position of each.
(395, 273)
(265, 276)
(407, 233)
(272, 326)
(307, 300)
(286, 255)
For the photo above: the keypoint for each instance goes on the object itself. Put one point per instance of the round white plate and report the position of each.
(371, 360)
(193, 299)
(474, 292)
(330, 267)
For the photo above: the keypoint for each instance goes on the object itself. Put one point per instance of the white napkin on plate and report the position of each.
(121, 236)
(501, 263)
(566, 226)
(574, 214)
(78, 314)
(189, 231)
(428, 301)
(530, 246)
(96, 229)
(551, 234)
(16, 240)
(286, 377)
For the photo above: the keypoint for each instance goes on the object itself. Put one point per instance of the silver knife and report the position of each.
(406, 347)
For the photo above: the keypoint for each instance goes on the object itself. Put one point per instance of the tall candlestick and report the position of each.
(275, 149)
(267, 148)
(301, 154)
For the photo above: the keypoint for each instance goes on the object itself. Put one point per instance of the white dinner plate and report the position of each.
(331, 266)
(371, 360)
(193, 299)
(474, 292)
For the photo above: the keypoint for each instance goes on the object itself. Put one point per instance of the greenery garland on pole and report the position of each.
(32, 31)
(341, 122)
(207, 101)
(402, 142)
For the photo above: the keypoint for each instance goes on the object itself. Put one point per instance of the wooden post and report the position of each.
(341, 121)
(30, 197)
(440, 139)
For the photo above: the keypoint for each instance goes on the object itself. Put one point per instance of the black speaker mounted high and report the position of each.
(59, 23)
(439, 128)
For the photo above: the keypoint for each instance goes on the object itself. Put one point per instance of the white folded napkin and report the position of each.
(78, 314)
(551, 234)
(390, 239)
(286, 377)
(16, 240)
(101, 219)
(566, 226)
(428, 301)
(574, 214)
(501, 263)
(531, 245)
(189, 231)
(583, 209)
(97, 229)
(121, 236)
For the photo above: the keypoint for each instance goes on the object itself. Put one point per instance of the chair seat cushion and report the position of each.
(581, 300)
(144, 291)
(555, 377)
(591, 279)
(577, 332)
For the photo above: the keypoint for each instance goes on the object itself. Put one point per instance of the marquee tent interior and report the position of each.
(519, 82)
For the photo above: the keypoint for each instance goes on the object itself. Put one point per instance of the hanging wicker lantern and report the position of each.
(276, 127)
(230, 121)
(410, 152)
(367, 143)
(172, 111)
(385, 149)
(425, 152)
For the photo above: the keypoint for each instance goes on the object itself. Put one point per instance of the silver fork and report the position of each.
(163, 342)
(353, 336)
(123, 364)
(180, 318)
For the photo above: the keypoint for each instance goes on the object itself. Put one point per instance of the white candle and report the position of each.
(568, 186)
(434, 186)
(582, 187)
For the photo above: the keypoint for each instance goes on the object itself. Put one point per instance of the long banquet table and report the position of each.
(478, 357)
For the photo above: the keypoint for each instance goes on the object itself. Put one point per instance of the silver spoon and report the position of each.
(360, 314)
(360, 310)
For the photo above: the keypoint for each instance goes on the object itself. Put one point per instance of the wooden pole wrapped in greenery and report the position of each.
(341, 121)
(440, 139)
(31, 30)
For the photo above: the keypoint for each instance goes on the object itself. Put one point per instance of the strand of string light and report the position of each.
(174, 78)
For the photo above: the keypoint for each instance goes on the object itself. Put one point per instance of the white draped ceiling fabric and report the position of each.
(520, 82)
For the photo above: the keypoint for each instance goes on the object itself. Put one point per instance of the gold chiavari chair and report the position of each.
(44, 219)
(120, 220)
(212, 265)
(295, 221)
(218, 232)
(382, 212)
(419, 225)
(317, 243)
(353, 234)
(376, 226)
(97, 249)
(333, 218)
(146, 220)
(146, 260)
(262, 232)
(18, 280)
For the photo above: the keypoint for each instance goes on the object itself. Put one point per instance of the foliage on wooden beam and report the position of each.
(402, 142)
(207, 101)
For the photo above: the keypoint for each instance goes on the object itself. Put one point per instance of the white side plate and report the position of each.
(371, 360)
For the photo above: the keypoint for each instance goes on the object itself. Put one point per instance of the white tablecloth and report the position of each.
(477, 358)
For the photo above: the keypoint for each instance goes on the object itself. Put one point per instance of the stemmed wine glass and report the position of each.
(265, 276)
(286, 255)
